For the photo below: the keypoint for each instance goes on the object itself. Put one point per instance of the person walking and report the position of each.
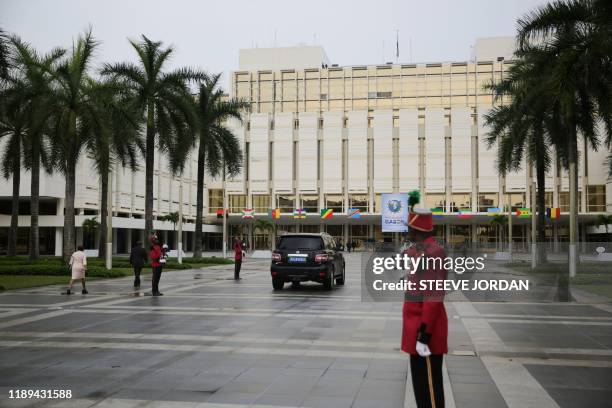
(78, 266)
(425, 324)
(348, 246)
(238, 253)
(155, 255)
(138, 259)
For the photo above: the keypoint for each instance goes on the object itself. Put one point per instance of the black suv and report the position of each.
(307, 257)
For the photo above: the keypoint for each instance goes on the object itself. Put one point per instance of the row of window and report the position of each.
(596, 201)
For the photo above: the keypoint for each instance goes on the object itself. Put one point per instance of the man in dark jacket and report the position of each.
(138, 259)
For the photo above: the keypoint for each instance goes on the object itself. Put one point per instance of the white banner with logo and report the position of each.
(394, 212)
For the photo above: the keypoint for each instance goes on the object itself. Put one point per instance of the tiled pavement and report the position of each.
(211, 341)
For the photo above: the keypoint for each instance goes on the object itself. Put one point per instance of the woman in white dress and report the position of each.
(78, 266)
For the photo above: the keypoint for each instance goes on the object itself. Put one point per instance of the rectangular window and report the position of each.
(596, 198)
(435, 201)
(517, 200)
(487, 200)
(334, 202)
(359, 202)
(261, 203)
(310, 203)
(237, 203)
(286, 203)
(460, 200)
(564, 200)
(215, 199)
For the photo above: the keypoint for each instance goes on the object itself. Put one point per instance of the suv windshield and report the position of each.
(308, 243)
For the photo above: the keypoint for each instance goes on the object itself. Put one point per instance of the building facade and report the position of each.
(321, 136)
(328, 136)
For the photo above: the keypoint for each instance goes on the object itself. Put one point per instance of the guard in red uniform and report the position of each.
(425, 325)
(155, 255)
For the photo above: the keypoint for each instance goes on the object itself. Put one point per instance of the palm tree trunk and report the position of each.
(573, 186)
(197, 251)
(69, 224)
(541, 203)
(12, 236)
(34, 203)
(149, 167)
(103, 213)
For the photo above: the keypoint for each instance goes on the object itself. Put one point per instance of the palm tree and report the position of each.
(4, 55)
(576, 36)
(267, 227)
(521, 128)
(78, 121)
(118, 144)
(26, 98)
(166, 105)
(90, 226)
(218, 148)
(605, 220)
(499, 221)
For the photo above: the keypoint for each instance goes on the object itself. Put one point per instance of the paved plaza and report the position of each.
(211, 341)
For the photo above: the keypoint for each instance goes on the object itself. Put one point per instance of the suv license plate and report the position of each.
(297, 259)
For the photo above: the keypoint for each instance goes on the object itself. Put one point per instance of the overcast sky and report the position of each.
(208, 34)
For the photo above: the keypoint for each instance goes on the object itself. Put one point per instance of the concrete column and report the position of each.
(59, 240)
(345, 229)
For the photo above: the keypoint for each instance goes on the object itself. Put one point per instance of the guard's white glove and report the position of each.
(423, 349)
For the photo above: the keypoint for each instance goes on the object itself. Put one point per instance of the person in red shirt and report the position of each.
(155, 255)
(237, 258)
(425, 324)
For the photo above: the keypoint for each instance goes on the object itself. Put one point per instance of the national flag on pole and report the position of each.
(274, 213)
(247, 214)
(464, 213)
(523, 212)
(553, 212)
(493, 211)
(353, 213)
(437, 212)
(299, 213)
(219, 212)
(327, 213)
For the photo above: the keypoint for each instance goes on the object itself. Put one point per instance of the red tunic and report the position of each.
(430, 311)
(237, 252)
(155, 255)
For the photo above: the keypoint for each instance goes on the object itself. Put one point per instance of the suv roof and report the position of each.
(304, 234)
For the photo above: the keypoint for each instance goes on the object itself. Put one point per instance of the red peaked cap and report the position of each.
(420, 219)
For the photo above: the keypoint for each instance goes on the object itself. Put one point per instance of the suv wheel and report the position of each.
(328, 283)
(277, 283)
(340, 280)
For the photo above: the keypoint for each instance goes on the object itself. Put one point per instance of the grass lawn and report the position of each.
(18, 273)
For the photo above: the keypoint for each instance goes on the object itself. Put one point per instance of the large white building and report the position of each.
(326, 136)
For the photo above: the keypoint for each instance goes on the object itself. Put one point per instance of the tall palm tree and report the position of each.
(165, 102)
(119, 143)
(577, 36)
(218, 148)
(35, 71)
(78, 120)
(521, 127)
(27, 97)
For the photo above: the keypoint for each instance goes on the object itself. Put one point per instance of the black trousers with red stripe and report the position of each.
(427, 380)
